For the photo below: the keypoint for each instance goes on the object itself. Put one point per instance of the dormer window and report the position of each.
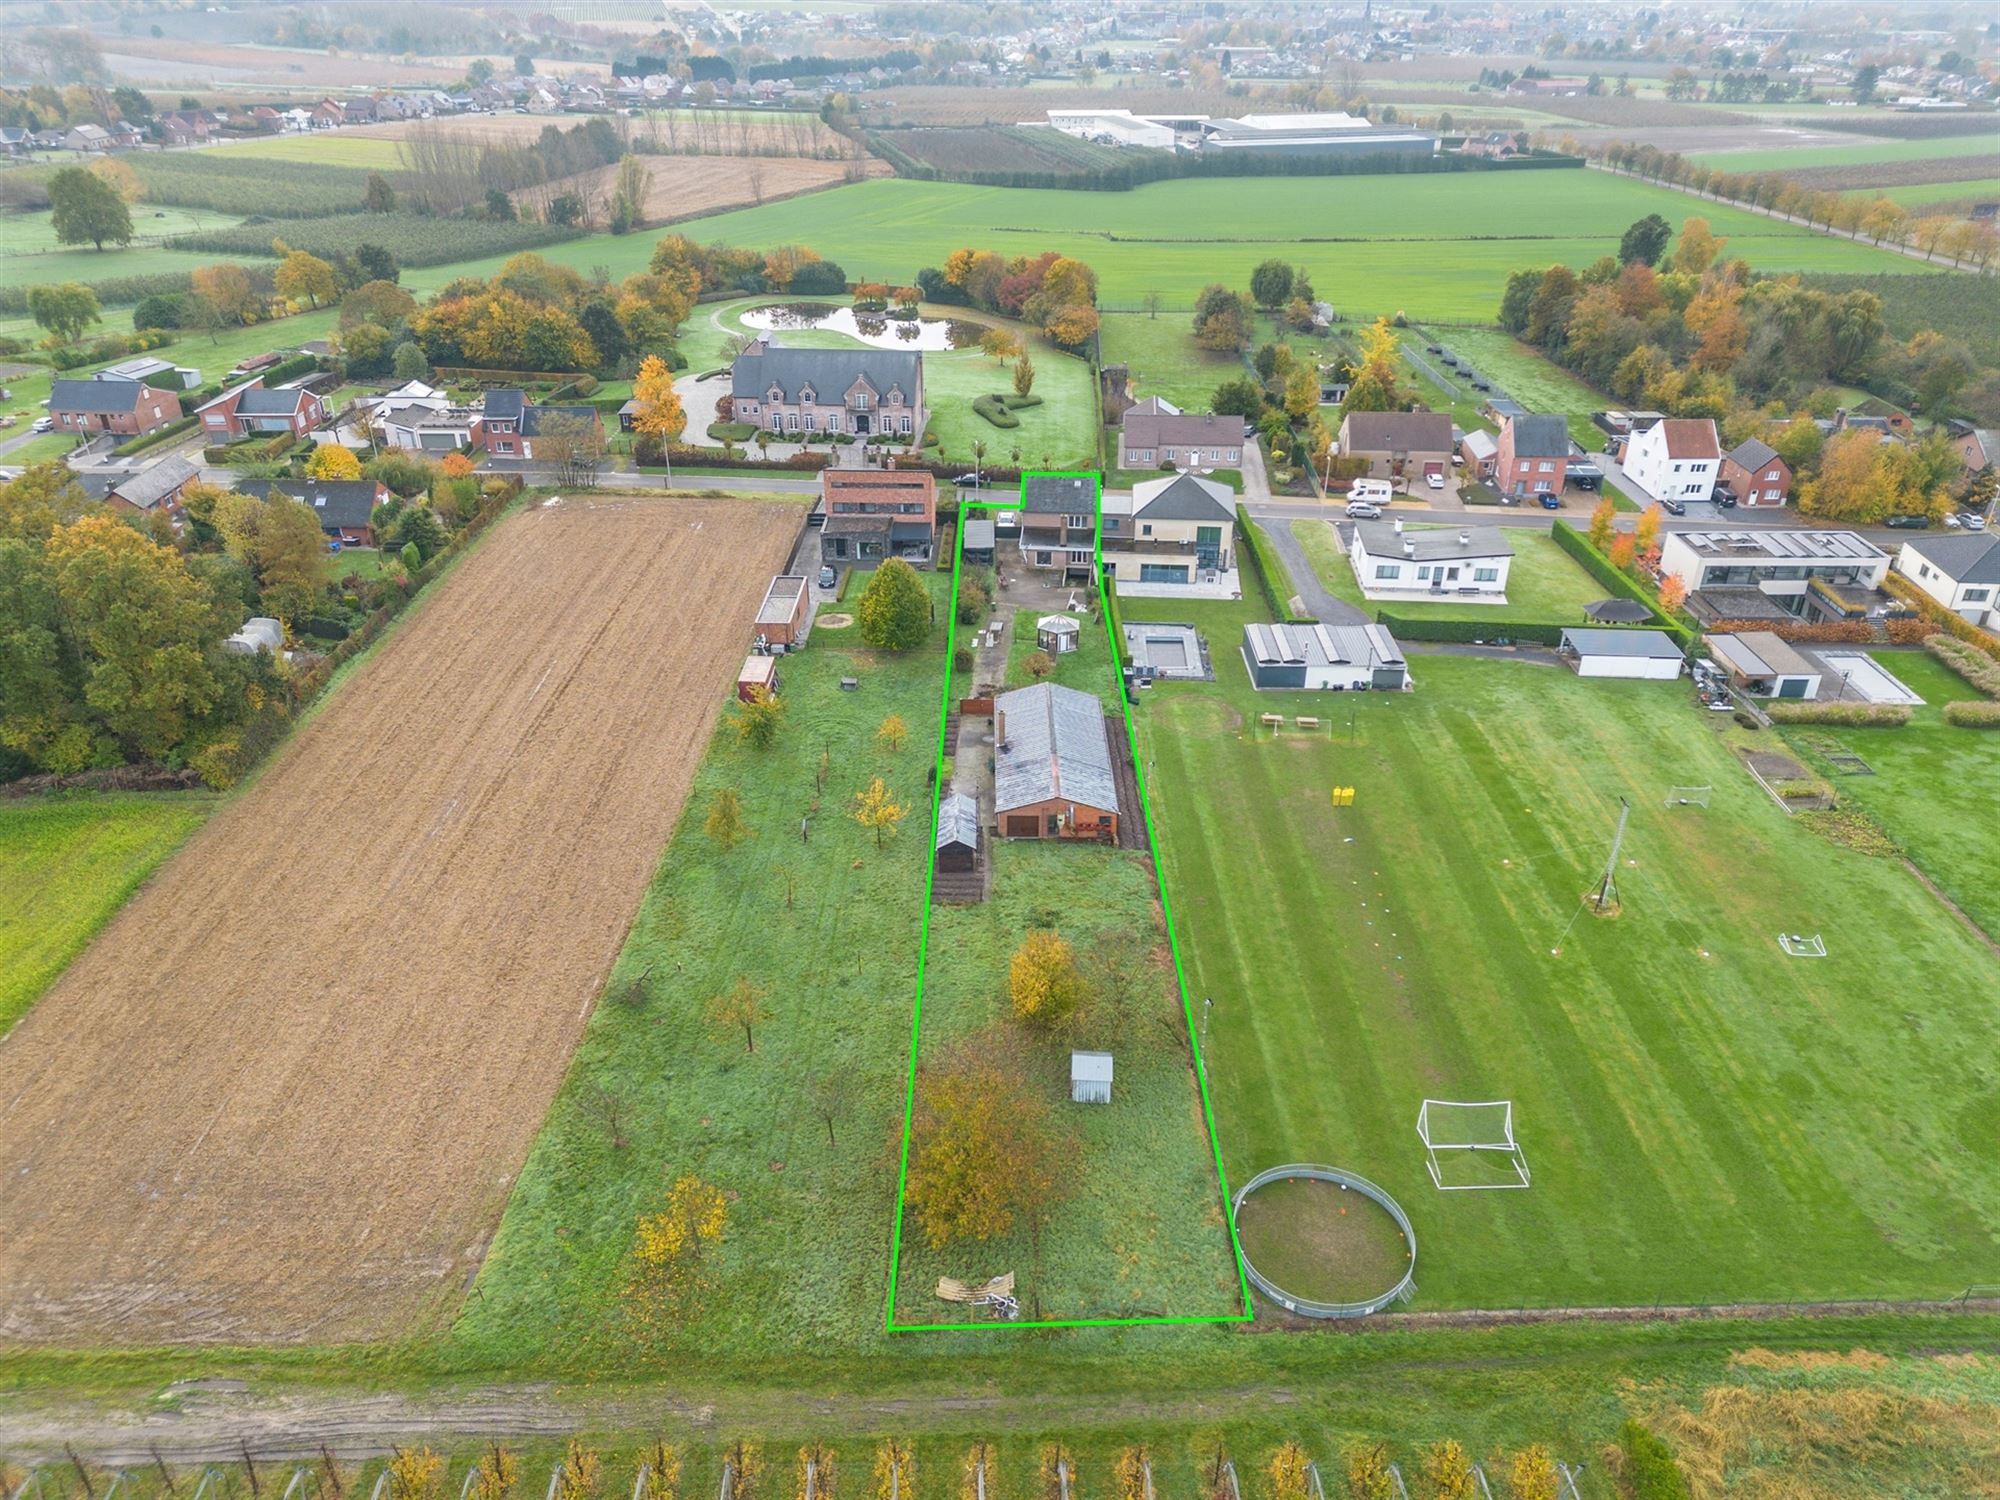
(805, 395)
(776, 396)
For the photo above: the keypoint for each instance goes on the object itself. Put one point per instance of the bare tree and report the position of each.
(755, 178)
(827, 1098)
(607, 1109)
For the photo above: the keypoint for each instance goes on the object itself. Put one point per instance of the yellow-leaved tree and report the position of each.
(331, 461)
(657, 412)
(415, 1474)
(1446, 1473)
(496, 1474)
(663, 1473)
(672, 1250)
(816, 1474)
(581, 1475)
(1287, 1472)
(895, 1471)
(875, 808)
(1532, 1475)
(1042, 979)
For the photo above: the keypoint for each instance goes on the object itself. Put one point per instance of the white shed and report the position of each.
(1057, 634)
(1622, 653)
(1090, 1077)
(259, 633)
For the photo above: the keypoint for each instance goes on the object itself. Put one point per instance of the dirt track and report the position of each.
(284, 1094)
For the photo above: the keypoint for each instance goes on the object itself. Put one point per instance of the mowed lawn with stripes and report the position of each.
(1704, 1116)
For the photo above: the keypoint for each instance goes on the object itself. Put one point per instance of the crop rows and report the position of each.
(412, 238)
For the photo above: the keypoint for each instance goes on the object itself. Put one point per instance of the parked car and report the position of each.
(1726, 500)
(827, 577)
(966, 479)
(1673, 507)
(1363, 510)
(1551, 502)
(44, 424)
(1908, 523)
(1433, 349)
(1434, 480)
(1974, 521)
(1953, 522)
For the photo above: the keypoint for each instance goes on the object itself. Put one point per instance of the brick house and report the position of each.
(126, 407)
(509, 423)
(156, 489)
(1532, 456)
(1182, 440)
(1977, 447)
(1399, 444)
(877, 513)
(345, 507)
(1059, 524)
(1753, 473)
(801, 394)
(250, 408)
(1052, 776)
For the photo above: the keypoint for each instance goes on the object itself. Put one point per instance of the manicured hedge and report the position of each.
(1849, 715)
(994, 409)
(1599, 567)
(1115, 620)
(1270, 572)
(1533, 632)
(1980, 640)
(1973, 715)
(166, 434)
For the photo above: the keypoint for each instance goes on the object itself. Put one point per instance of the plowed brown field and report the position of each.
(285, 1092)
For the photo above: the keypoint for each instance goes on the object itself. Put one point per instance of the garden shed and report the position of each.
(1090, 1077)
(957, 833)
(1056, 634)
(758, 672)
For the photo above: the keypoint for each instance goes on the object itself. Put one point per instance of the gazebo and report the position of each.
(1618, 612)
(1058, 633)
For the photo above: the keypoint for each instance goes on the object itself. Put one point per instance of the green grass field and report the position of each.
(1920, 195)
(1703, 1115)
(1524, 374)
(66, 865)
(1932, 786)
(1372, 244)
(1164, 360)
(1544, 584)
(29, 252)
(1859, 152)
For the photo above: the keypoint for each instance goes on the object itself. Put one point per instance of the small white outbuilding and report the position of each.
(1056, 634)
(1090, 1077)
(1622, 653)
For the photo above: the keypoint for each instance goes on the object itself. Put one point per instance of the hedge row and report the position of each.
(154, 438)
(1968, 662)
(1955, 624)
(1270, 572)
(1599, 567)
(1973, 715)
(1115, 619)
(112, 291)
(1851, 715)
(1535, 632)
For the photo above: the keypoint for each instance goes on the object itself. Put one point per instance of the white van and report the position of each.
(1375, 491)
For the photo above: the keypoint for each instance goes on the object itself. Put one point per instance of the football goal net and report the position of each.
(1688, 796)
(1470, 1145)
(1798, 945)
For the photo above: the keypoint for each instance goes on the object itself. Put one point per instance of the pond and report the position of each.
(878, 330)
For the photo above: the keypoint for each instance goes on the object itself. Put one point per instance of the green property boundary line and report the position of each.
(1173, 943)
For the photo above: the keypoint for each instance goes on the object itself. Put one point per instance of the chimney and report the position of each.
(1409, 546)
(1000, 728)
(1397, 522)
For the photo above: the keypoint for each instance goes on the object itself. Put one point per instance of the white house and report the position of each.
(1675, 459)
(1470, 563)
(1599, 652)
(1176, 530)
(1778, 563)
(1961, 572)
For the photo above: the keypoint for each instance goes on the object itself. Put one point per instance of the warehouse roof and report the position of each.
(1654, 644)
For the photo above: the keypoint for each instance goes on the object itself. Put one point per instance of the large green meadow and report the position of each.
(1860, 152)
(66, 865)
(1703, 1116)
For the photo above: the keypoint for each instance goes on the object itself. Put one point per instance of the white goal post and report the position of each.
(1800, 945)
(1688, 796)
(1482, 1128)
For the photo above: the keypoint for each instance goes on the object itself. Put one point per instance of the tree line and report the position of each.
(1054, 292)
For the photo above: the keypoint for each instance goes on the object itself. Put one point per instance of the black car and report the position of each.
(1433, 349)
(1908, 523)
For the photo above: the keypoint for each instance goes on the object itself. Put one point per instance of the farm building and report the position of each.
(759, 672)
(957, 832)
(1057, 634)
(1326, 134)
(1052, 775)
(1761, 663)
(1090, 1077)
(1598, 652)
(1334, 658)
(781, 618)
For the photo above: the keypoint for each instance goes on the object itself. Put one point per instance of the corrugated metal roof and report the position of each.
(958, 822)
(1055, 749)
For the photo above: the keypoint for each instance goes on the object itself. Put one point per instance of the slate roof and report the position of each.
(1056, 749)
(1181, 430)
(828, 371)
(504, 406)
(260, 402)
(150, 486)
(1540, 435)
(1964, 559)
(1397, 432)
(1050, 494)
(337, 502)
(533, 417)
(1480, 444)
(1761, 653)
(1184, 497)
(1753, 454)
(98, 397)
(1432, 543)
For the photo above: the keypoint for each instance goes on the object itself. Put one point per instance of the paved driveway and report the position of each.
(1320, 604)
